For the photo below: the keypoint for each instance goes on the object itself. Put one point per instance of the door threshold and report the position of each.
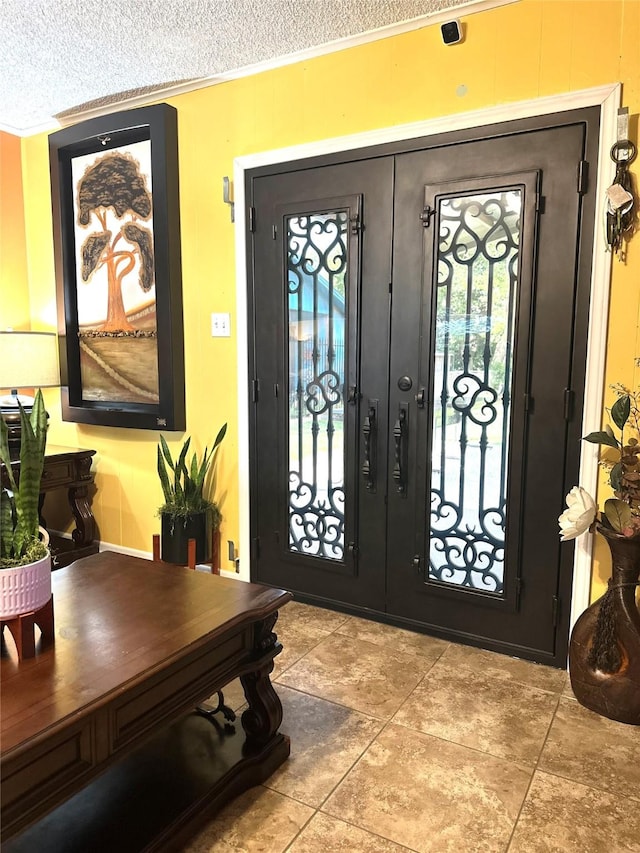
(465, 639)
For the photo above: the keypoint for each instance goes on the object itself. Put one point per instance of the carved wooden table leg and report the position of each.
(262, 718)
(85, 529)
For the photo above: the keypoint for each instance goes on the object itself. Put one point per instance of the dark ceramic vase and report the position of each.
(175, 535)
(604, 653)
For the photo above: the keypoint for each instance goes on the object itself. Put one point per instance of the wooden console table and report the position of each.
(101, 749)
(68, 468)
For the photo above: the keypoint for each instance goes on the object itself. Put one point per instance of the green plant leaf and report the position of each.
(615, 477)
(193, 472)
(201, 472)
(38, 420)
(220, 436)
(6, 524)
(620, 411)
(618, 513)
(183, 453)
(164, 477)
(5, 455)
(179, 495)
(602, 438)
(166, 453)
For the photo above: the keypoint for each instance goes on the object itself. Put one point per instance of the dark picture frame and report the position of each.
(116, 229)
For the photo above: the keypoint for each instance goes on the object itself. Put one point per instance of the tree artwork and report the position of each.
(116, 228)
(115, 182)
(115, 275)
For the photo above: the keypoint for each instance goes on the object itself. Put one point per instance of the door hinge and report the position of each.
(568, 404)
(255, 390)
(583, 176)
(425, 216)
(539, 202)
(356, 223)
(353, 394)
(527, 402)
(274, 232)
(353, 549)
(276, 390)
(415, 562)
(555, 610)
(255, 548)
(252, 219)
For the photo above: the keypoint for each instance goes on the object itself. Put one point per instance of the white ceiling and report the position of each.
(64, 59)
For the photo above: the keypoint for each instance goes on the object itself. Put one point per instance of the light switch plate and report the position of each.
(220, 325)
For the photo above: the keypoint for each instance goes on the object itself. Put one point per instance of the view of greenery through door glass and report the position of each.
(316, 299)
(476, 294)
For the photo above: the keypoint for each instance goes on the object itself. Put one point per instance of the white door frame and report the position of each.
(608, 99)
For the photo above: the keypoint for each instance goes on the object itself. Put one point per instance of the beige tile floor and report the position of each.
(403, 742)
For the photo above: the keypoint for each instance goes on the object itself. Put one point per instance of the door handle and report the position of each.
(400, 436)
(370, 437)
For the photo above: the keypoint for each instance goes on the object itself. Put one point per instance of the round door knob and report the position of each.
(405, 383)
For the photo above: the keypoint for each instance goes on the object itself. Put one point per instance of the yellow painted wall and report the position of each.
(526, 50)
(14, 283)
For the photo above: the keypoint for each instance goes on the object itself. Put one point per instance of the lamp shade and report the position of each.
(29, 360)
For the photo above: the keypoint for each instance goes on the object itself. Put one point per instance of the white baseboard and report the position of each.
(121, 549)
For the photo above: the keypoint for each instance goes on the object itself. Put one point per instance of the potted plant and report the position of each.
(604, 652)
(188, 512)
(25, 561)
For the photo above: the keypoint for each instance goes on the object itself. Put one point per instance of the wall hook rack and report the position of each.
(227, 192)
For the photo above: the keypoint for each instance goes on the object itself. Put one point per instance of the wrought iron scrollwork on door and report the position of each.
(317, 279)
(477, 270)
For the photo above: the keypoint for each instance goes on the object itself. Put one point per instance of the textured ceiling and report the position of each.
(60, 58)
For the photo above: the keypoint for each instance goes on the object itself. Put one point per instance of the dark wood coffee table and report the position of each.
(101, 749)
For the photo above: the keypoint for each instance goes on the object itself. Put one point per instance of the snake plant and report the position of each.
(185, 492)
(19, 518)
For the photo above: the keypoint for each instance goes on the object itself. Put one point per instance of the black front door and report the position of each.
(321, 314)
(416, 321)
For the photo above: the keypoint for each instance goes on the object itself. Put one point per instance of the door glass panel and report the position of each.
(476, 294)
(316, 293)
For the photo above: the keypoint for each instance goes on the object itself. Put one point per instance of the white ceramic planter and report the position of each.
(25, 588)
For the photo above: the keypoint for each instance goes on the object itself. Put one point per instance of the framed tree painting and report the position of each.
(116, 228)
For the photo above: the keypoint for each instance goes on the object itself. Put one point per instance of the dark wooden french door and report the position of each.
(418, 340)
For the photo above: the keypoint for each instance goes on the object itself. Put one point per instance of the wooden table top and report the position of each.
(117, 620)
(53, 451)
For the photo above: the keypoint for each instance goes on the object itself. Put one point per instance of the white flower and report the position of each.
(579, 515)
